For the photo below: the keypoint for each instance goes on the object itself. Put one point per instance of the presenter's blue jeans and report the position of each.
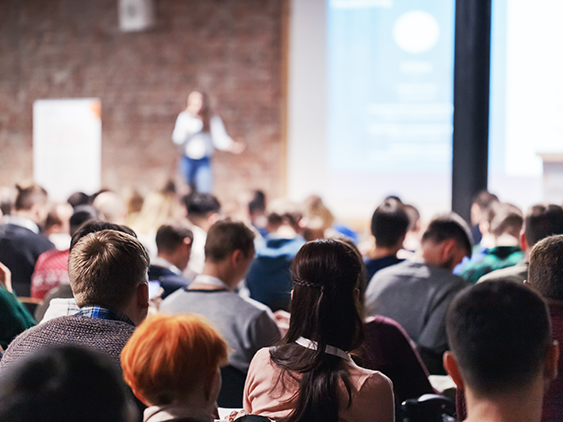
(198, 173)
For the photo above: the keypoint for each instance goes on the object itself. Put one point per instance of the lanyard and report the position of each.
(331, 350)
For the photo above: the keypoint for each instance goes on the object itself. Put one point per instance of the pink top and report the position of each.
(372, 394)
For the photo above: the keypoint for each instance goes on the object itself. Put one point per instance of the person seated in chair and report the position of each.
(174, 244)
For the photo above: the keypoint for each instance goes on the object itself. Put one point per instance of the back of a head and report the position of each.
(105, 269)
(169, 357)
(545, 273)
(111, 207)
(64, 384)
(257, 205)
(485, 199)
(82, 214)
(7, 200)
(226, 236)
(93, 226)
(507, 220)
(389, 224)
(325, 274)
(543, 221)
(200, 204)
(78, 198)
(282, 211)
(499, 334)
(171, 234)
(449, 226)
(29, 196)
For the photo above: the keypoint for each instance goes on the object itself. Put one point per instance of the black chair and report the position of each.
(427, 408)
(232, 388)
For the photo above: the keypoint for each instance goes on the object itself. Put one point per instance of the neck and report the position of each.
(506, 240)
(30, 215)
(217, 270)
(201, 222)
(381, 252)
(168, 258)
(520, 406)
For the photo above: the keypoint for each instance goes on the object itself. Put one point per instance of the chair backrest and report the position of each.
(428, 408)
(232, 387)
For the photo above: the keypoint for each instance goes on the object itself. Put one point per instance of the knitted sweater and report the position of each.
(106, 336)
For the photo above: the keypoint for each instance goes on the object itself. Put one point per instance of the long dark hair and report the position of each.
(324, 309)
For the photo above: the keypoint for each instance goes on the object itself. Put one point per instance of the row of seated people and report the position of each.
(444, 243)
(502, 351)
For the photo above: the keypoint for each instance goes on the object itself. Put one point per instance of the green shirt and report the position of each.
(493, 259)
(14, 317)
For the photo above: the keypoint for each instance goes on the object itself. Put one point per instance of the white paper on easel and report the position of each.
(67, 146)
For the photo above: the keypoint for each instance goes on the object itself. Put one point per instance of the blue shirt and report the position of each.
(104, 313)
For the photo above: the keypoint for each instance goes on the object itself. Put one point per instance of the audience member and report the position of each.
(389, 225)
(411, 245)
(158, 207)
(546, 277)
(7, 200)
(317, 217)
(14, 317)
(51, 269)
(203, 210)
(77, 199)
(172, 364)
(65, 383)
(57, 225)
(257, 212)
(541, 221)
(246, 325)
(174, 244)
(505, 228)
(111, 207)
(502, 353)
(60, 300)
(310, 376)
(20, 240)
(417, 294)
(482, 203)
(108, 276)
(268, 279)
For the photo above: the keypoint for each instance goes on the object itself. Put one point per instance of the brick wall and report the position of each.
(73, 48)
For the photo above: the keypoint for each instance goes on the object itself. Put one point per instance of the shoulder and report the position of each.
(369, 380)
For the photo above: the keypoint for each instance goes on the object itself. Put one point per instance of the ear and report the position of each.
(551, 362)
(143, 295)
(356, 294)
(523, 241)
(212, 385)
(451, 368)
(448, 247)
(187, 241)
(236, 257)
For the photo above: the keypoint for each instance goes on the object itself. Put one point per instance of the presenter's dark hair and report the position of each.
(545, 273)
(542, 221)
(499, 334)
(65, 384)
(389, 224)
(325, 309)
(449, 226)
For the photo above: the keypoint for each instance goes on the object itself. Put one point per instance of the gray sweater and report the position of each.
(246, 325)
(106, 336)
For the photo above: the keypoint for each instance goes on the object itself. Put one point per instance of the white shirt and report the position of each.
(198, 144)
(22, 222)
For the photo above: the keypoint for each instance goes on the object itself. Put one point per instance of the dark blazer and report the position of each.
(19, 250)
(169, 280)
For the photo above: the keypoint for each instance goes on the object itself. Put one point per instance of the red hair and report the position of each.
(170, 356)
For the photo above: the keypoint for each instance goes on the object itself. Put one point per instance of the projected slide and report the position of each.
(390, 86)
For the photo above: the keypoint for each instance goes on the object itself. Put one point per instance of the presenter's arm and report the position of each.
(221, 140)
(186, 125)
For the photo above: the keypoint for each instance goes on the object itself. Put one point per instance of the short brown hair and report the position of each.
(226, 236)
(507, 220)
(449, 226)
(29, 196)
(171, 235)
(545, 273)
(105, 269)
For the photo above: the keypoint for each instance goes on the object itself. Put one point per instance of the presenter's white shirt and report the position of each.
(198, 144)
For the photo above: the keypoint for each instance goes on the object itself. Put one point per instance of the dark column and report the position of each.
(471, 102)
